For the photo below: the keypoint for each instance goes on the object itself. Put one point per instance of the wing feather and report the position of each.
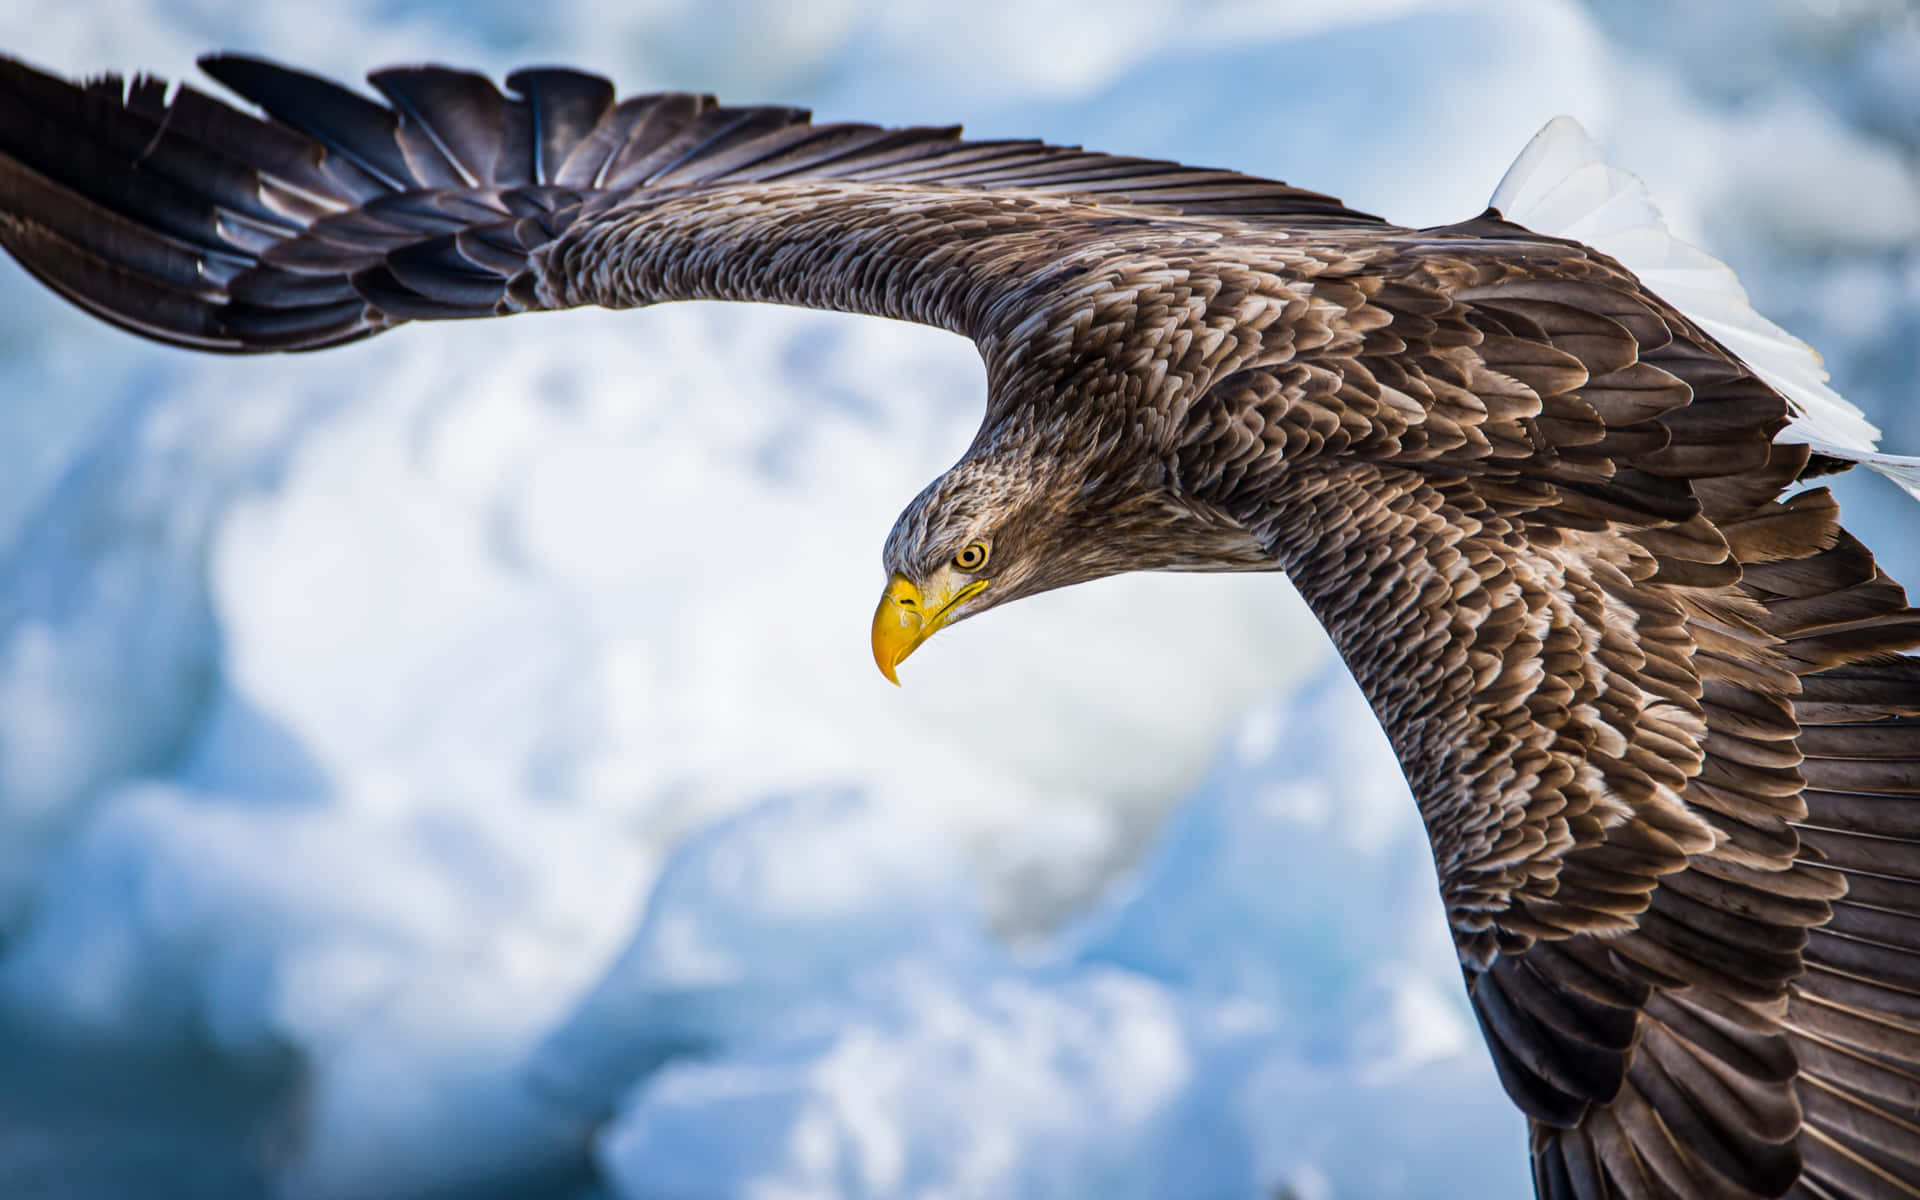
(1664, 738)
(139, 207)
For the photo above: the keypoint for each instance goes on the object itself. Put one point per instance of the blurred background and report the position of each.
(452, 766)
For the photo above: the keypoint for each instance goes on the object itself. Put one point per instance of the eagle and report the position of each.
(1653, 701)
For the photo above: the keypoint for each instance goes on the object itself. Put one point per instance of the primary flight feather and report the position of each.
(1652, 700)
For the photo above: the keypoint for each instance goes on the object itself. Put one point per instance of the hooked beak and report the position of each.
(905, 619)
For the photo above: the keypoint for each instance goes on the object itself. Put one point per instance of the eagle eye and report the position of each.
(972, 558)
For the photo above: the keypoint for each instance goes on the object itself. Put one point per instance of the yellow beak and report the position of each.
(905, 619)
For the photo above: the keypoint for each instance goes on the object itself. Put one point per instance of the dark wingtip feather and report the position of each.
(345, 122)
(459, 116)
(115, 294)
(567, 108)
(288, 328)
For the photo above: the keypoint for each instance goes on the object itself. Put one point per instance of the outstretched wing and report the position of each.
(1654, 714)
(182, 219)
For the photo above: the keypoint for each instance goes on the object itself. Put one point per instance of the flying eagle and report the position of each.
(1650, 696)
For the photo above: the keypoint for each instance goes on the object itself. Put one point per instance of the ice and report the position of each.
(107, 638)
(450, 766)
(1068, 1086)
(1224, 1029)
(1307, 809)
(760, 926)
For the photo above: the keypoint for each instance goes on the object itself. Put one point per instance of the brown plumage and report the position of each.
(1654, 710)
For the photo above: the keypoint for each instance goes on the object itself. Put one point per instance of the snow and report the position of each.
(1167, 1046)
(451, 766)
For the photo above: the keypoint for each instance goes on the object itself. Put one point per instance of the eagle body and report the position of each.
(1652, 699)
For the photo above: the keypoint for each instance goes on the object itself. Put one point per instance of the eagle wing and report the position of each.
(1654, 713)
(182, 219)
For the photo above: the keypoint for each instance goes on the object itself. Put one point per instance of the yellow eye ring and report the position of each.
(972, 558)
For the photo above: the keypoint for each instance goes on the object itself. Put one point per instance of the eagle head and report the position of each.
(999, 526)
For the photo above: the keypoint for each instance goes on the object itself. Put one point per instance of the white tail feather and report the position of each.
(1562, 187)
